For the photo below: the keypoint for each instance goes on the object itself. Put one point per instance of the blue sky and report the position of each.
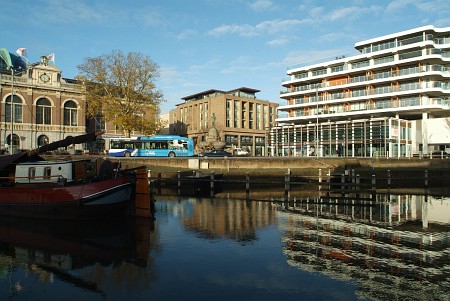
(208, 44)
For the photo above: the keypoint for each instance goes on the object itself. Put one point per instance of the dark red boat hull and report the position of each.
(96, 200)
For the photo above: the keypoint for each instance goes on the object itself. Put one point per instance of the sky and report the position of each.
(208, 44)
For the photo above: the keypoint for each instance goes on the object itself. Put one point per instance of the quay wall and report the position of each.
(408, 175)
(284, 163)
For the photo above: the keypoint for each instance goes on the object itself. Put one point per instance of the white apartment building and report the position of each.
(389, 99)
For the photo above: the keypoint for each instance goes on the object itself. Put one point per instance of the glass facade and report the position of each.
(385, 137)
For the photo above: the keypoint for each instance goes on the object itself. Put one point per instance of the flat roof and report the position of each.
(243, 89)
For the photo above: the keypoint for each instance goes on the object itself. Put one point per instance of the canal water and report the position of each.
(313, 248)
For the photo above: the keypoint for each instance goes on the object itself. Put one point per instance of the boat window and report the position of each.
(47, 172)
(32, 173)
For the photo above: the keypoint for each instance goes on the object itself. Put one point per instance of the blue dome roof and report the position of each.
(10, 60)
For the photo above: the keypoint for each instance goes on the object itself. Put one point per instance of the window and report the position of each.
(228, 114)
(99, 122)
(236, 114)
(319, 72)
(360, 64)
(301, 75)
(382, 74)
(337, 68)
(43, 111)
(358, 93)
(382, 60)
(246, 140)
(42, 140)
(231, 139)
(358, 78)
(17, 109)
(70, 113)
(47, 172)
(32, 173)
(408, 55)
(337, 95)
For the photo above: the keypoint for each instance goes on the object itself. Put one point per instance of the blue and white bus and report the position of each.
(154, 146)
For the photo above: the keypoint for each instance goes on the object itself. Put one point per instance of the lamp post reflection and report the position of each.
(317, 120)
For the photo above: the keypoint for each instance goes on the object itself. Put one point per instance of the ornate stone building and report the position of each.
(37, 105)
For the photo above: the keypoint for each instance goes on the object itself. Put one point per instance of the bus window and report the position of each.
(161, 145)
(116, 144)
(129, 145)
(139, 145)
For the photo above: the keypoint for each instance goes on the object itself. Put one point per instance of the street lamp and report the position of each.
(11, 140)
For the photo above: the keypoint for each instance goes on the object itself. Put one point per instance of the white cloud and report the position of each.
(260, 5)
(71, 12)
(262, 28)
(278, 42)
(187, 33)
(352, 12)
(242, 30)
(429, 6)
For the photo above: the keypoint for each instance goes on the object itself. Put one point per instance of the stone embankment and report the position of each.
(398, 173)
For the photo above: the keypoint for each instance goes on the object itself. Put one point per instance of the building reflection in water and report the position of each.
(235, 219)
(95, 256)
(395, 249)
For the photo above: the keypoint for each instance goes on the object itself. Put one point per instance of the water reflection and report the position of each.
(234, 219)
(87, 255)
(394, 248)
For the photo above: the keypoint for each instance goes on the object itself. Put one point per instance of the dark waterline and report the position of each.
(203, 249)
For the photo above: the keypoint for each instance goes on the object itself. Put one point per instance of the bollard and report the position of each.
(426, 181)
(211, 184)
(320, 178)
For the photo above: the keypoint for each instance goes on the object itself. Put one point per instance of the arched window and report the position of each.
(14, 146)
(70, 113)
(43, 111)
(42, 140)
(17, 109)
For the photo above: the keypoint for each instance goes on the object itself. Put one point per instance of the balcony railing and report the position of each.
(376, 77)
(380, 105)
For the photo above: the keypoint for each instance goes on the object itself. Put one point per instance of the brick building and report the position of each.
(240, 119)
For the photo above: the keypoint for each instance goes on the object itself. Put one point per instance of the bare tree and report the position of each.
(122, 89)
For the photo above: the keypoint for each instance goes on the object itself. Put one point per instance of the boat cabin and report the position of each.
(44, 172)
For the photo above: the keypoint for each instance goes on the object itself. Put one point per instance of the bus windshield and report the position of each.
(154, 146)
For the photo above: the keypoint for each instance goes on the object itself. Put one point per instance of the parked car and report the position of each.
(240, 152)
(215, 153)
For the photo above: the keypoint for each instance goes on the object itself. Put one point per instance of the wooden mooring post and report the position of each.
(211, 184)
(247, 186)
(287, 185)
(389, 184)
(143, 199)
(374, 188)
(179, 182)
